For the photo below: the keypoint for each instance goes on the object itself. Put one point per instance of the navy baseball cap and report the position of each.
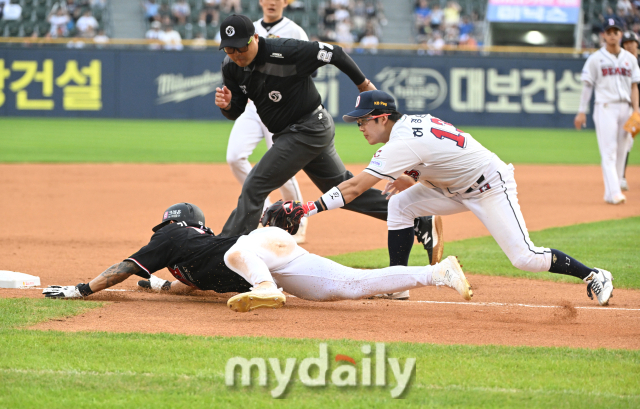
(629, 36)
(367, 102)
(611, 22)
(236, 31)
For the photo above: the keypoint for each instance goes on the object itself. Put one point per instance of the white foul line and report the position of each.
(472, 304)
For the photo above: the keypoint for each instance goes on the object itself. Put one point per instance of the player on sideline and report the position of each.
(455, 174)
(614, 74)
(255, 265)
(248, 130)
(630, 43)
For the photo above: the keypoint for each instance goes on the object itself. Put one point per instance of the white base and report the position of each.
(12, 279)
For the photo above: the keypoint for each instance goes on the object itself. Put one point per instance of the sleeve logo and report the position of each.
(376, 163)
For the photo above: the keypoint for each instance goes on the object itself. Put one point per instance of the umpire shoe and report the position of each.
(428, 230)
(600, 282)
(449, 273)
(258, 297)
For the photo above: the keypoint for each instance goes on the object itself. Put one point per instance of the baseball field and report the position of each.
(81, 195)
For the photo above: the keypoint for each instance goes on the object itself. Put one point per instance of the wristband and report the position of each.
(333, 199)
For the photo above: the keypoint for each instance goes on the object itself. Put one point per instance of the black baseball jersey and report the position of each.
(279, 80)
(193, 256)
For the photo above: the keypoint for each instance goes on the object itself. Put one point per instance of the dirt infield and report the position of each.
(67, 223)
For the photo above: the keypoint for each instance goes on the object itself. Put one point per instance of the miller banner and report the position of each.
(464, 90)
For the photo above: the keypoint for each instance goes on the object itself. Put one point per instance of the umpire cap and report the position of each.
(369, 101)
(236, 31)
(629, 36)
(182, 212)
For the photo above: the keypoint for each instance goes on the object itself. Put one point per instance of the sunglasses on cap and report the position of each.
(233, 50)
(363, 122)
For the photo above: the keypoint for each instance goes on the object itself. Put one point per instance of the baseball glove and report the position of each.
(286, 215)
(633, 124)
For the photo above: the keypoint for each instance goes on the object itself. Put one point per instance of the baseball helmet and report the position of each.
(182, 212)
(629, 36)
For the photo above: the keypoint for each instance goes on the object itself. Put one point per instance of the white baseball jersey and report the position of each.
(284, 29)
(433, 152)
(611, 75)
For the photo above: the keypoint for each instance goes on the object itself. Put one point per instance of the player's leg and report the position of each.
(497, 207)
(606, 121)
(245, 136)
(290, 153)
(624, 141)
(624, 185)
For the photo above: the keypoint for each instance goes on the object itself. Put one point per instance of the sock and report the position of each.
(400, 243)
(567, 265)
(84, 289)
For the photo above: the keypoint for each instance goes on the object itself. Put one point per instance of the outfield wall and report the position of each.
(529, 91)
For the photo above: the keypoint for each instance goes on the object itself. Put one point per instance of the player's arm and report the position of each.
(340, 195)
(311, 55)
(580, 120)
(635, 97)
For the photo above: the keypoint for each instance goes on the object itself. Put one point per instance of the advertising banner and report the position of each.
(534, 11)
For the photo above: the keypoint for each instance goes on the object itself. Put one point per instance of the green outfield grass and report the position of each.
(114, 140)
(61, 370)
(610, 244)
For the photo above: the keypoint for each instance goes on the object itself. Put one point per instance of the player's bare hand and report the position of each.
(223, 97)
(404, 182)
(366, 85)
(580, 120)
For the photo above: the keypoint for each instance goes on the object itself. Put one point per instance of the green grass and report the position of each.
(16, 312)
(611, 245)
(55, 369)
(114, 140)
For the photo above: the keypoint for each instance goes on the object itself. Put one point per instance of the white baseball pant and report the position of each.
(271, 254)
(248, 130)
(495, 203)
(613, 142)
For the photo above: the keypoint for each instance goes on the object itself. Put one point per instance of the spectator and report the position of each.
(422, 10)
(370, 41)
(151, 9)
(181, 11)
(87, 25)
(59, 23)
(101, 39)
(452, 14)
(343, 34)
(164, 12)
(436, 44)
(12, 11)
(76, 42)
(98, 4)
(359, 16)
(468, 42)
(170, 38)
(210, 13)
(341, 14)
(154, 34)
(466, 26)
(231, 5)
(624, 8)
(437, 16)
(199, 42)
(73, 9)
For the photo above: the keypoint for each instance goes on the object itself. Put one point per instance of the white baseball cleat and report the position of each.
(258, 297)
(58, 291)
(624, 186)
(449, 273)
(601, 283)
(618, 199)
(301, 234)
(400, 295)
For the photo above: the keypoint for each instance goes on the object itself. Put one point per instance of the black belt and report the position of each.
(310, 114)
(475, 185)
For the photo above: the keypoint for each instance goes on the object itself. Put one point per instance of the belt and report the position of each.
(310, 114)
(475, 185)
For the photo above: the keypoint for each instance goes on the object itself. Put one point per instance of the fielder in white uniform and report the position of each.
(614, 74)
(248, 130)
(455, 174)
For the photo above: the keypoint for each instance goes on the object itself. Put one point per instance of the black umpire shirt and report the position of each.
(279, 80)
(193, 256)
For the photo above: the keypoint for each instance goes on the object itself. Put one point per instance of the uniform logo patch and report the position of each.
(414, 174)
(230, 31)
(357, 101)
(377, 163)
(275, 96)
(166, 214)
(277, 55)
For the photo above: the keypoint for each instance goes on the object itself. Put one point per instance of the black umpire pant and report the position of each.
(308, 145)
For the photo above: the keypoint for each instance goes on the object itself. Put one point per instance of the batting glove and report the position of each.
(57, 291)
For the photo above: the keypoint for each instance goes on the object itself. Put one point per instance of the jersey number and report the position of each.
(458, 137)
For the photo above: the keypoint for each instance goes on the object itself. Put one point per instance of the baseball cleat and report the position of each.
(58, 291)
(618, 199)
(155, 284)
(624, 186)
(600, 282)
(428, 230)
(258, 297)
(449, 273)
(400, 295)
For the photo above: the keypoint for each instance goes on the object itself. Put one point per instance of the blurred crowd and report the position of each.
(626, 12)
(437, 26)
(77, 19)
(355, 21)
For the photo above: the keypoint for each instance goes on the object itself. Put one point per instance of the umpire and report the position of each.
(275, 74)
